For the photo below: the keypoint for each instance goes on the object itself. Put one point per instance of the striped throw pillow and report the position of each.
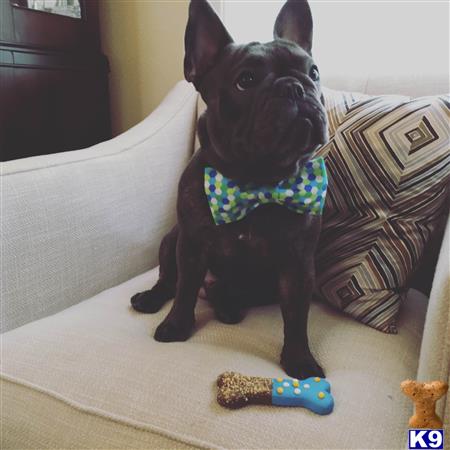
(388, 163)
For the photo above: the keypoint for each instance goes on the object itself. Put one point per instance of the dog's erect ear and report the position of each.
(205, 38)
(294, 23)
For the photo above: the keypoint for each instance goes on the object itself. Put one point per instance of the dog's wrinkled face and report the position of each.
(264, 113)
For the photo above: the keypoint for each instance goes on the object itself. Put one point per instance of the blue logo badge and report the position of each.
(418, 439)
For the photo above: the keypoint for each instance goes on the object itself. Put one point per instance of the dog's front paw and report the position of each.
(171, 331)
(151, 301)
(301, 367)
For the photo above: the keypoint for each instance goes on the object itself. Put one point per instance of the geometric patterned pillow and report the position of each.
(388, 163)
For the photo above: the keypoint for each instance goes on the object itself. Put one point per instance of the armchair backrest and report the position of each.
(76, 223)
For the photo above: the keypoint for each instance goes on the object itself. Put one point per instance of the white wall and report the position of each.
(354, 38)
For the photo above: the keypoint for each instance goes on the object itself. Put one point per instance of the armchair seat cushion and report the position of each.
(93, 376)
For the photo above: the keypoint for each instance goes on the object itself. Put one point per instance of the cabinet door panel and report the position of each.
(53, 81)
(41, 29)
(6, 22)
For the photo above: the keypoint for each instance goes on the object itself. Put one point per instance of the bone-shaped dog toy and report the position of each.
(236, 391)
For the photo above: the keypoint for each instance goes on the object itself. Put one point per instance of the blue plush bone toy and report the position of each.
(236, 391)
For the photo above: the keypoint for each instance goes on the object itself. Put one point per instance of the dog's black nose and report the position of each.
(289, 87)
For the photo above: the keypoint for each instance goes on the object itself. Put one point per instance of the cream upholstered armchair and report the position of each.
(80, 369)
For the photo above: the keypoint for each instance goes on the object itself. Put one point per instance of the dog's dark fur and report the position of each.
(257, 128)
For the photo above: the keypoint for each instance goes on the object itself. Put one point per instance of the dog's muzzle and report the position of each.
(289, 87)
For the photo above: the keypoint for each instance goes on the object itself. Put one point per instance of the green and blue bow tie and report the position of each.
(302, 193)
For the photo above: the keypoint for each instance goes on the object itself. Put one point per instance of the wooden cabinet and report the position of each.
(53, 81)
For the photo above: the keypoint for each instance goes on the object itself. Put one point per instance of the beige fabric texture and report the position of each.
(32, 419)
(434, 361)
(411, 85)
(97, 362)
(79, 222)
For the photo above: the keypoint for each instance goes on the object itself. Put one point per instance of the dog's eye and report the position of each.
(314, 73)
(245, 81)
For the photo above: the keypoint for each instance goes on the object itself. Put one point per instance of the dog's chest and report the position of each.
(263, 237)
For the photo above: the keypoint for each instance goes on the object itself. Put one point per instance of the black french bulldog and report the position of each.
(264, 120)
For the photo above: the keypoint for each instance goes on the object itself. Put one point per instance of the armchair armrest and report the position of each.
(76, 223)
(434, 363)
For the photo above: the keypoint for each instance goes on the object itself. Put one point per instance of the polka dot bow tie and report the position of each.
(302, 193)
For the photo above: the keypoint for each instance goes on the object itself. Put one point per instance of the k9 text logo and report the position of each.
(426, 439)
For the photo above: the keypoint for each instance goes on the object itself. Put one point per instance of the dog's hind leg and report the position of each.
(225, 300)
(151, 301)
